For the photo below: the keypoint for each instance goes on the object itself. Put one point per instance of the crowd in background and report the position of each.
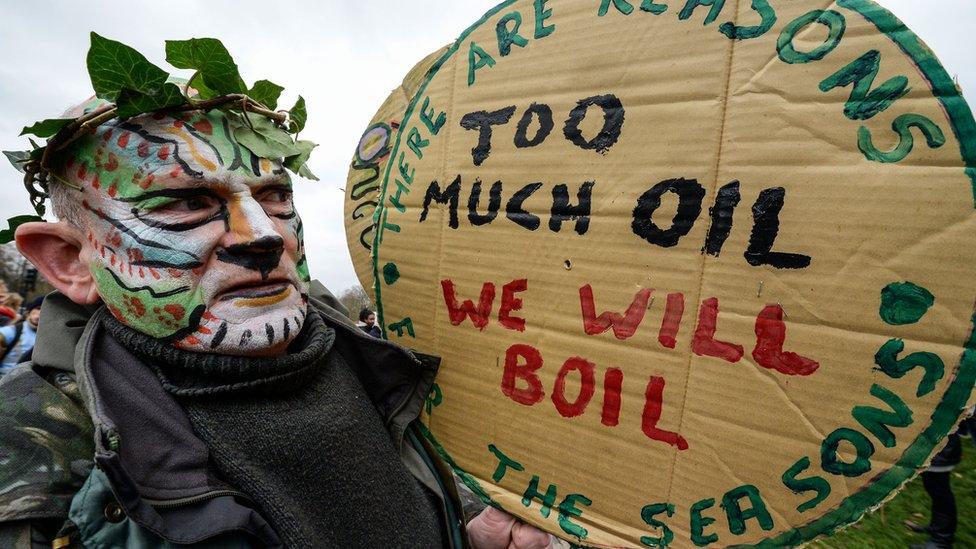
(18, 327)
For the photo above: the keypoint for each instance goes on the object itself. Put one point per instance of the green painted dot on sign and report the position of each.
(904, 303)
(390, 273)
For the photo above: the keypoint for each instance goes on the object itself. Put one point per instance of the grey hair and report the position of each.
(66, 204)
(66, 201)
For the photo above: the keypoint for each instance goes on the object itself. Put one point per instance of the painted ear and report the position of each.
(59, 251)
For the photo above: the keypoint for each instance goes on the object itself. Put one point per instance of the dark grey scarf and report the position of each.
(299, 435)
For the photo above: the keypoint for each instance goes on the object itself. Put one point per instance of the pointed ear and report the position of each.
(60, 253)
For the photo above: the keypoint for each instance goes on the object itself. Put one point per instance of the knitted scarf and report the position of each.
(299, 435)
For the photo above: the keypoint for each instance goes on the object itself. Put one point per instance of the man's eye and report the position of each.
(277, 195)
(193, 204)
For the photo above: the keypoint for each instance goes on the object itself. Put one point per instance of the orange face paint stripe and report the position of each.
(188, 139)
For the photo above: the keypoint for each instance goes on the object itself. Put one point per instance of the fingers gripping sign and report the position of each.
(495, 529)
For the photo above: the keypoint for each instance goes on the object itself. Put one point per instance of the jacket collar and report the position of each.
(58, 336)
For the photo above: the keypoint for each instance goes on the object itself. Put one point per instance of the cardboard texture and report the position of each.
(698, 272)
(368, 166)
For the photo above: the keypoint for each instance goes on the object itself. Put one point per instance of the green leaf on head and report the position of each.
(113, 67)
(263, 146)
(298, 163)
(132, 103)
(210, 59)
(268, 129)
(266, 93)
(47, 128)
(203, 92)
(18, 159)
(7, 235)
(298, 116)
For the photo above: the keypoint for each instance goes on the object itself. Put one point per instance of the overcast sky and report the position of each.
(344, 56)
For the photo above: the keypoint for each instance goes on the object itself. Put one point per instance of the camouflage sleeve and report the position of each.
(46, 445)
(35, 535)
(16, 535)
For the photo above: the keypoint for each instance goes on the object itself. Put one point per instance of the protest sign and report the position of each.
(697, 271)
(368, 166)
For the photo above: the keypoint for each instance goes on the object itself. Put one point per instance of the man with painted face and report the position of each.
(191, 385)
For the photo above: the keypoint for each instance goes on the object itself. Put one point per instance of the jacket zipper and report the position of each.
(192, 500)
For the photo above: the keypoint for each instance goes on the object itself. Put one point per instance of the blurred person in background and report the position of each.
(10, 305)
(368, 319)
(18, 339)
(937, 482)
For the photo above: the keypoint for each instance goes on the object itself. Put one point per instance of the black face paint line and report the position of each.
(193, 131)
(765, 229)
(237, 162)
(152, 292)
(193, 324)
(262, 255)
(141, 132)
(144, 215)
(483, 121)
(255, 165)
(125, 229)
(690, 195)
(219, 335)
(153, 264)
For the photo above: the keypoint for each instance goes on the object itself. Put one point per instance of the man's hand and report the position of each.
(494, 529)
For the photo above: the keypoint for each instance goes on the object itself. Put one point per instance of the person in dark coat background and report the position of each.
(937, 481)
(368, 318)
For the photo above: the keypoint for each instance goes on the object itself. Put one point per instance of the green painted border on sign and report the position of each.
(946, 414)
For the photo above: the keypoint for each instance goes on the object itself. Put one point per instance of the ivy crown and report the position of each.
(129, 85)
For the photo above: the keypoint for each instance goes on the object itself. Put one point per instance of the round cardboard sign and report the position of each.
(698, 272)
(368, 166)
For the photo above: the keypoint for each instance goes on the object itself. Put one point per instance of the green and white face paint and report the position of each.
(195, 240)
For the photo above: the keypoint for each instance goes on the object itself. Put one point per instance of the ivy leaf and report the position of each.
(7, 235)
(298, 163)
(113, 66)
(203, 92)
(266, 93)
(210, 58)
(267, 128)
(298, 116)
(37, 153)
(307, 173)
(264, 143)
(131, 103)
(18, 159)
(281, 144)
(46, 128)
